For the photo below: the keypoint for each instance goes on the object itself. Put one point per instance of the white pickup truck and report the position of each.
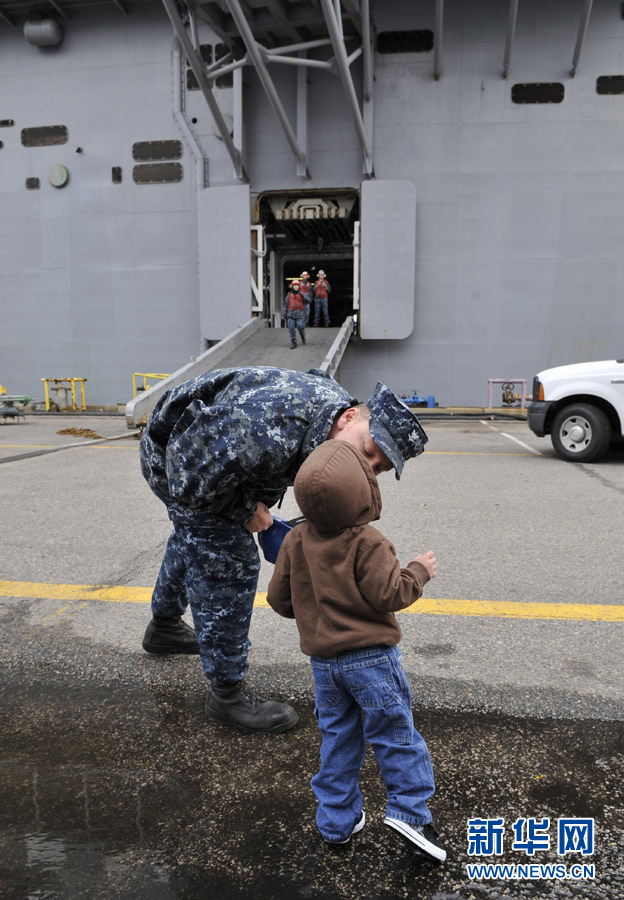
(581, 406)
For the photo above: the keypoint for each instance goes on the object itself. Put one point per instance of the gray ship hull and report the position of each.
(471, 223)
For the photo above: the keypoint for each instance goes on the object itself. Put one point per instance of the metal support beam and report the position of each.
(437, 45)
(216, 70)
(306, 45)
(194, 30)
(581, 35)
(340, 56)
(222, 61)
(367, 48)
(257, 58)
(353, 56)
(338, 16)
(302, 112)
(511, 31)
(278, 54)
(300, 63)
(368, 74)
(199, 70)
(238, 114)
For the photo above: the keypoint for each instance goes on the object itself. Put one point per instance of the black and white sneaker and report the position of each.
(356, 828)
(425, 837)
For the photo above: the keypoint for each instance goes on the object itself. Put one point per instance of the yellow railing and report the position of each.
(145, 376)
(64, 384)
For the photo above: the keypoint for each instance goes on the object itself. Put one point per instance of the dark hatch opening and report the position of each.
(308, 232)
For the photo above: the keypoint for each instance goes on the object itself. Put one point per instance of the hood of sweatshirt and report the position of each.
(336, 488)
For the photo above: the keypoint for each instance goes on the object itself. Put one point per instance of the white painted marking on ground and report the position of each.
(512, 438)
(522, 444)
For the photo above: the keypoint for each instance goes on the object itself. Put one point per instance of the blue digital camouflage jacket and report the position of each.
(222, 442)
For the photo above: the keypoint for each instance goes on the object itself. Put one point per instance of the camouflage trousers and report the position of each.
(320, 310)
(296, 319)
(213, 568)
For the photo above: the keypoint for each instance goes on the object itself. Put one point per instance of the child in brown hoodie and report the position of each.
(341, 580)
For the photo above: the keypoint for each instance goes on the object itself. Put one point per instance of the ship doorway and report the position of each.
(308, 233)
(339, 273)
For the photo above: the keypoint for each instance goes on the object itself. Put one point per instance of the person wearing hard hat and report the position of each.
(306, 292)
(294, 313)
(218, 451)
(321, 296)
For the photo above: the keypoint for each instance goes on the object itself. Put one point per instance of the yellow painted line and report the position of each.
(589, 612)
(44, 591)
(505, 609)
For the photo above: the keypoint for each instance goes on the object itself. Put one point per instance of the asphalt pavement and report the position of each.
(114, 785)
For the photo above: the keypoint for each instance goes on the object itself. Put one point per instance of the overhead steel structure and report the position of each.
(511, 33)
(262, 33)
(276, 32)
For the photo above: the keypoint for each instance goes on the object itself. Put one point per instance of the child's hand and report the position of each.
(429, 561)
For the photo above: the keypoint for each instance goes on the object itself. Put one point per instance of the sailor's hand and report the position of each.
(261, 520)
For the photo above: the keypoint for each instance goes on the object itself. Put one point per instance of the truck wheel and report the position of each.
(580, 433)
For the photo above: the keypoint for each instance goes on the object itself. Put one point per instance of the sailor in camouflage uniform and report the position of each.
(218, 451)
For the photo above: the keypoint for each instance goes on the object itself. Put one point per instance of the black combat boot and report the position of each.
(164, 635)
(235, 704)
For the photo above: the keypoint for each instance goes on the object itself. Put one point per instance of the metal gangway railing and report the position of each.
(139, 408)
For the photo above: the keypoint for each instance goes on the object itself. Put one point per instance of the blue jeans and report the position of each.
(362, 696)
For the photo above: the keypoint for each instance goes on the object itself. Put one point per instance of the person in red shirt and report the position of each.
(306, 291)
(321, 296)
(294, 313)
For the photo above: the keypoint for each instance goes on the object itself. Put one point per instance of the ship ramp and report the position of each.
(253, 344)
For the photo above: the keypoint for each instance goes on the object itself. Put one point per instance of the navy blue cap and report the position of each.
(394, 427)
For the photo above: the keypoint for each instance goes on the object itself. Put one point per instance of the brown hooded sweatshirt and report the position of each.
(337, 575)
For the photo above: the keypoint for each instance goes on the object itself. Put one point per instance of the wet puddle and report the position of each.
(119, 792)
(65, 830)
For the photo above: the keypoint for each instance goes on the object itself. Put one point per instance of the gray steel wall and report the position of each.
(97, 280)
(520, 212)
